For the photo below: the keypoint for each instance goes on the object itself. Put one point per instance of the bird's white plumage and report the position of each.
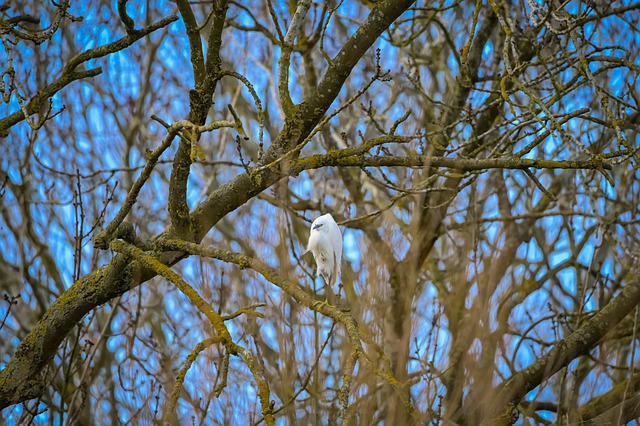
(325, 243)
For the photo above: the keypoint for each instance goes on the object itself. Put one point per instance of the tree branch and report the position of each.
(69, 74)
(578, 343)
(19, 378)
(22, 378)
(344, 158)
(200, 101)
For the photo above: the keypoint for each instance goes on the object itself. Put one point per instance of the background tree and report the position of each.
(161, 164)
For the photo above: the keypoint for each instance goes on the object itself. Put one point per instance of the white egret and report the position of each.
(325, 243)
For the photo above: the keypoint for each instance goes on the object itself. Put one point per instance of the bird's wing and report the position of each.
(336, 243)
(336, 269)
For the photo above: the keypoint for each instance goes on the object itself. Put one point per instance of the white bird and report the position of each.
(325, 243)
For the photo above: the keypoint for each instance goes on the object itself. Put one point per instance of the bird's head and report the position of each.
(320, 224)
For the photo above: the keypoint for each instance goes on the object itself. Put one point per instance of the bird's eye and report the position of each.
(319, 225)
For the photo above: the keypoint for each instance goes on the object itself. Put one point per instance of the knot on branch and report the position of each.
(200, 104)
(126, 232)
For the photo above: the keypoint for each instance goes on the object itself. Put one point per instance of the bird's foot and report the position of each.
(318, 304)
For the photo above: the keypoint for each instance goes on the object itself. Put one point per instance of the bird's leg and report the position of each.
(328, 293)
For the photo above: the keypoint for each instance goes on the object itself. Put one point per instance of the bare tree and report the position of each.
(162, 163)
